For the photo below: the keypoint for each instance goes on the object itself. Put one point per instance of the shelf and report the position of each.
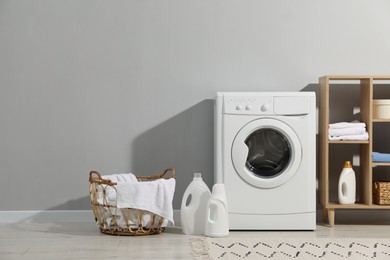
(336, 205)
(374, 164)
(363, 88)
(376, 206)
(381, 120)
(349, 142)
(355, 77)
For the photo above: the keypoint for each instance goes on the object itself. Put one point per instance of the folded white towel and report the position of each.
(154, 196)
(347, 124)
(347, 131)
(350, 137)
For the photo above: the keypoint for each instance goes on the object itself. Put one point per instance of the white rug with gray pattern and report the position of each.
(290, 248)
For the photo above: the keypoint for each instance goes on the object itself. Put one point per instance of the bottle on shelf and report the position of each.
(347, 185)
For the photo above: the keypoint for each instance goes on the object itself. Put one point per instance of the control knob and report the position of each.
(239, 107)
(265, 107)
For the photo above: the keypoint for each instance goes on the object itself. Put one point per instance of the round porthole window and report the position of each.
(266, 153)
(269, 152)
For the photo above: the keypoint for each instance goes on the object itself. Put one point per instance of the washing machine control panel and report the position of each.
(248, 105)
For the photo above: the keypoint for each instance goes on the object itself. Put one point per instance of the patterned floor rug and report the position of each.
(289, 248)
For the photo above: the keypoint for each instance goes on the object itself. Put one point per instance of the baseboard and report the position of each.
(342, 216)
(58, 216)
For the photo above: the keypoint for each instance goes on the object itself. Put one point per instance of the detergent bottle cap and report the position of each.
(347, 164)
(197, 176)
(218, 189)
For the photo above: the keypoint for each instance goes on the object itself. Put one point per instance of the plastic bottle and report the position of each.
(347, 185)
(193, 206)
(217, 220)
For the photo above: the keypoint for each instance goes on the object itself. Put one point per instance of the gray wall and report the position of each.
(127, 86)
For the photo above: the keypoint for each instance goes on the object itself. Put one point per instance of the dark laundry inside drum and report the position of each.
(269, 152)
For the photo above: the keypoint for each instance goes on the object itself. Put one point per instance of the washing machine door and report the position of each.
(266, 153)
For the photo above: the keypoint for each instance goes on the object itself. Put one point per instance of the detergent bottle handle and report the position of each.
(186, 196)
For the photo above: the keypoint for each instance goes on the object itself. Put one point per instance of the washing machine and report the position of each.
(265, 154)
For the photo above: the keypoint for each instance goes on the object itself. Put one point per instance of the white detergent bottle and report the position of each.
(193, 206)
(347, 185)
(217, 219)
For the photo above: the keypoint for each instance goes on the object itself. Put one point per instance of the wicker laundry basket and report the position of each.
(382, 192)
(115, 221)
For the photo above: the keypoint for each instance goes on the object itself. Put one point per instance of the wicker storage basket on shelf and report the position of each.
(107, 214)
(382, 193)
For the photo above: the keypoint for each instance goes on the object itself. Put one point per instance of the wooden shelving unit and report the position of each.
(365, 87)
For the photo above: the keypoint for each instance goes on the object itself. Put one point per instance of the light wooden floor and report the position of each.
(84, 241)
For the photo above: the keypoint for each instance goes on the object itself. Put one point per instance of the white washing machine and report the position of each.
(265, 155)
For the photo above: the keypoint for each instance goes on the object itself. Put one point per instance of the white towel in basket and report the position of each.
(154, 196)
(117, 178)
